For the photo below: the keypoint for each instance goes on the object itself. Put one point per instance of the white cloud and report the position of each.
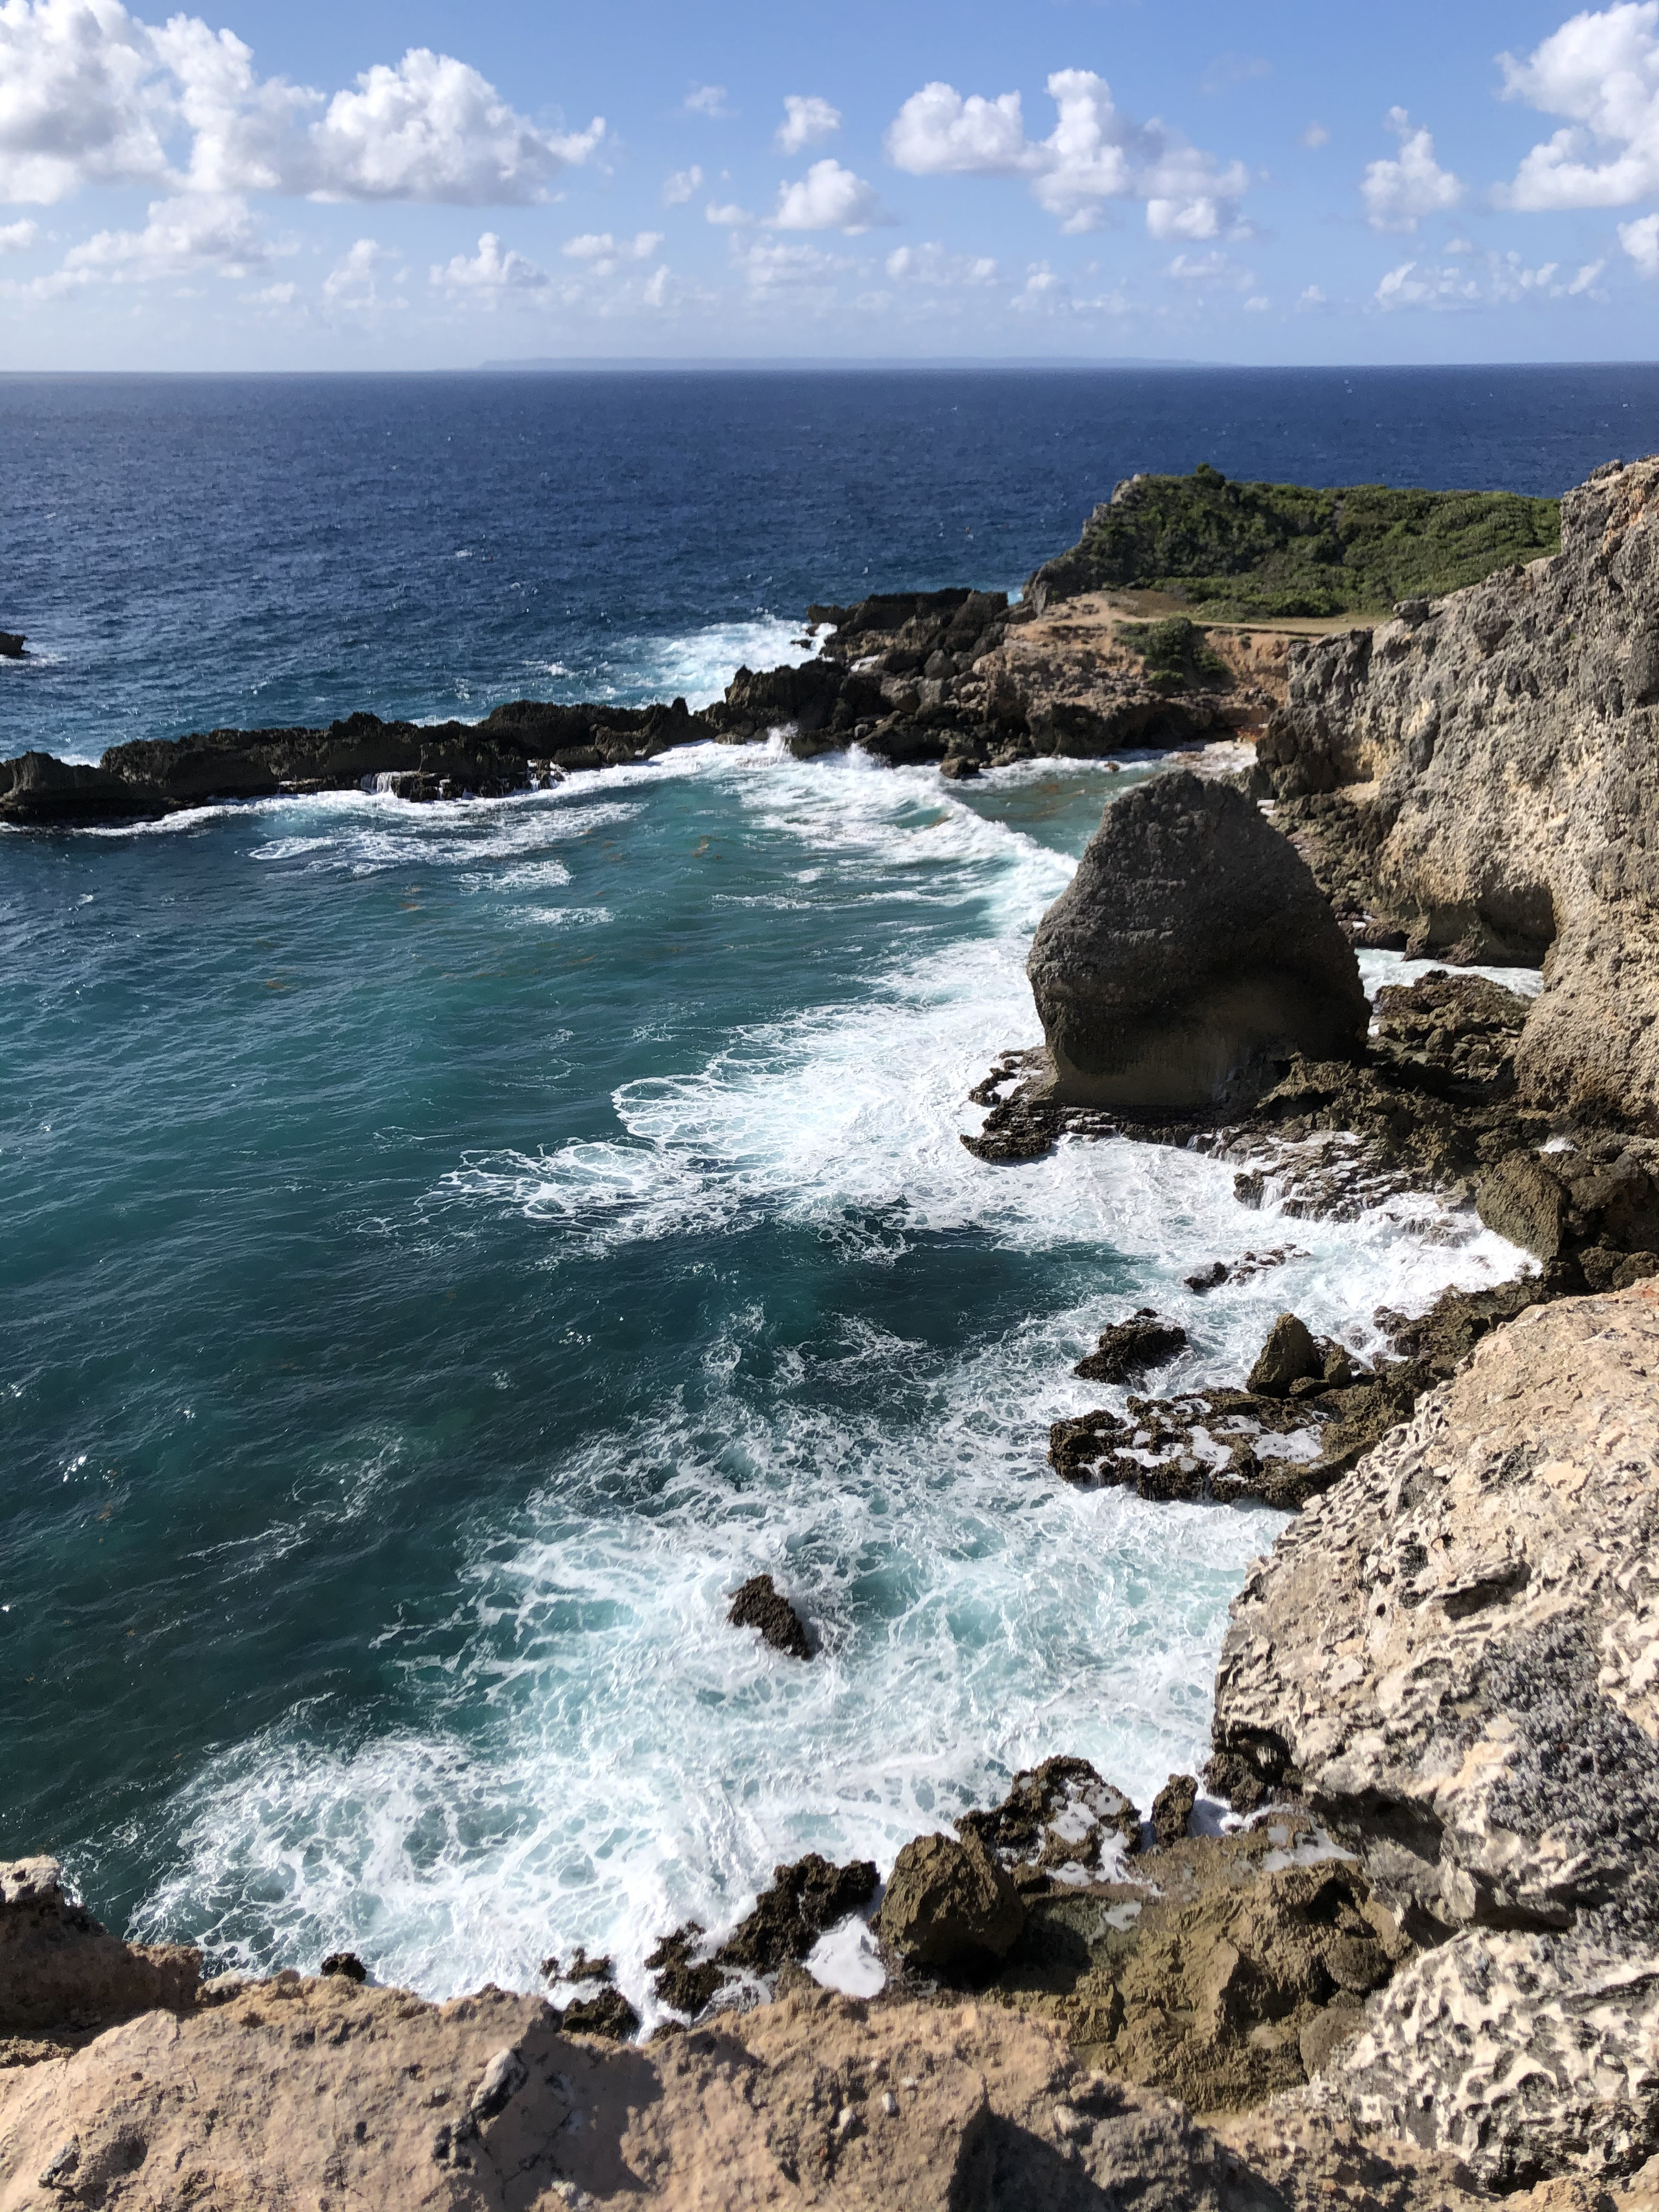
(1640, 240)
(1398, 194)
(433, 128)
(353, 282)
(605, 254)
(490, 271)
(205, 234)
(1600, 70)
(1094, 153)
(1311, 298)
(1494, 280)
(682, 186)
(1259, 305)
(1314, 137)
(805, 121)
(938, 133)
(656, 293)
(729, 216)
(273, 295)
(1213, 268)
(708, 99)
(19, 237)
(827, 198)
(91, 95)
(931, 265)
(773, 269)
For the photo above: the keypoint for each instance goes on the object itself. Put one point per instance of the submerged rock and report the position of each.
(760, 1604)
(1191, 953)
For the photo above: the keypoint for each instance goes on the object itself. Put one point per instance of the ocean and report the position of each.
(448, 1249)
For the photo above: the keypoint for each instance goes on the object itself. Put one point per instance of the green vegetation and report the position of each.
(1242, 551)
(1175, 656)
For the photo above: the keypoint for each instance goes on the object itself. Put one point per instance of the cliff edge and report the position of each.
(1478, 774)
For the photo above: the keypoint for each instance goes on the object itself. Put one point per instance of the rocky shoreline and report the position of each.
(1403, 1952)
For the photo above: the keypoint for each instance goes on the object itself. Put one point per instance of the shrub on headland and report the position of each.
(1253, 551)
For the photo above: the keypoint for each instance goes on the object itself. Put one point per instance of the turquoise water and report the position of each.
(446, 1250)
(449, 1249)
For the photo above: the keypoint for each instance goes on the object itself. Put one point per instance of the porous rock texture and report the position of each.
(1191, 951)
(1454, 1656)
(1478, 772)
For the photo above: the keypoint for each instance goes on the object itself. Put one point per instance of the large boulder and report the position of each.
(1191, 951)
(1453, 1656)
(951, 1906)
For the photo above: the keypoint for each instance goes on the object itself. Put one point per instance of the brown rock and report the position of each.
(1289, 1353)
(951, 1905)
(1172, 1808)
(1523, 1199)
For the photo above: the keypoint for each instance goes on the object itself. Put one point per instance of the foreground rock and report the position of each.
(695, 1973)
(61, 1973)
(1190, 952)
(1454, 1657)
(1478, 776)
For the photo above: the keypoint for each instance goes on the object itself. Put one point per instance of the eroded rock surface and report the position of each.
(1481, 772)
(1454, 1656)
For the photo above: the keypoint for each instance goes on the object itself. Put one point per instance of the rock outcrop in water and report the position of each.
(1190, 954)
(916, 677)
(1477, 776)
(1454, 1658)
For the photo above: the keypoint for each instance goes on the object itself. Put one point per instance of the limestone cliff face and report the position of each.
(1453, 1656)
(1506, 742)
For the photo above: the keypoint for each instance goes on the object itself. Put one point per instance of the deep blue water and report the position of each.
(447, 1250)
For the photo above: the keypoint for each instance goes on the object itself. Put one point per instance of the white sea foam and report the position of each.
(593, 1754)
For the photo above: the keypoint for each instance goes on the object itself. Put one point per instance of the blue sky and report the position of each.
(428, 185)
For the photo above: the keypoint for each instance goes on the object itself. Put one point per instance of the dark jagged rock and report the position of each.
(1525, 1200)
(11, 645)
(1130, 1348)
(1289, 1354)
(37, 790)
(607, 2013)
(950, 1906)
(1061, 1822)
(806, 1900)
(346, 1964)
(1172, 1808)
(1191, 951)
(760, 1604)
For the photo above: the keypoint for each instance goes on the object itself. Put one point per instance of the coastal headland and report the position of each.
(1402, 1953)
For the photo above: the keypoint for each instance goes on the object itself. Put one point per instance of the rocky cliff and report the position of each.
(1479, 775)
(1454, 1658)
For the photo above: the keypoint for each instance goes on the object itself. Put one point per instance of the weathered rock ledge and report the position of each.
(250, 2094)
